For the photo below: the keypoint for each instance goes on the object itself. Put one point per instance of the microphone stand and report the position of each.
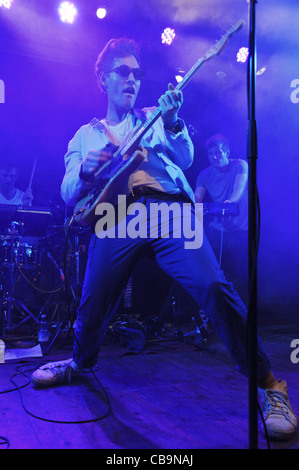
(252, 233)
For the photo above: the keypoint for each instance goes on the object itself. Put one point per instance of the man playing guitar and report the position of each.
(167, 150)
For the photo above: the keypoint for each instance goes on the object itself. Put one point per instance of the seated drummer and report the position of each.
(9, 194)
(225, 181)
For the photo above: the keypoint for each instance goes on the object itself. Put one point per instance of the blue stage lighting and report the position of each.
(101, 13)
(6, 3)
(67, 12)
(168, 36)
(242, 54)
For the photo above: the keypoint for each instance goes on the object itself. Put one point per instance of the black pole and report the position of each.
(252, 233)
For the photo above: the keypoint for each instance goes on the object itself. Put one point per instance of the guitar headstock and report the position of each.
(220, 45)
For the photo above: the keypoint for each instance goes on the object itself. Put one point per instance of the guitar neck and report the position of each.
(153, 118)
(133, 142)
(186, 79)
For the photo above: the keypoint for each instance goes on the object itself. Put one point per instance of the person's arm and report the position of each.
(179, 145)
(80, 169)
(27, 197)
(239, 183)
(73, 187)
(200, 187)
(199, 193)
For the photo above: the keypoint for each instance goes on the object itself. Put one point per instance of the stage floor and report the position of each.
(171, 396)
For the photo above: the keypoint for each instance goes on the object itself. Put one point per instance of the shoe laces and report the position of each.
(60, 369)
(276, 403)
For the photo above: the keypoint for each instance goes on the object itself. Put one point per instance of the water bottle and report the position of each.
(43, 332)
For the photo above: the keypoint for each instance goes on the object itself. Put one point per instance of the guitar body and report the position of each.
(107, 187)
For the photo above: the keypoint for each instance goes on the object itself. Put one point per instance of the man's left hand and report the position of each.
(27, 198)
(170, 104)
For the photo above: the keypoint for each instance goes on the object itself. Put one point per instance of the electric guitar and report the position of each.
(112, 177)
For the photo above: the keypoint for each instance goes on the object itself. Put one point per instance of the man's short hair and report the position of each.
(115, 48)
(217, 139)
(7, 165)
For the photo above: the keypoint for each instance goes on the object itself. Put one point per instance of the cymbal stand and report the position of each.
(11, 284)
(63, 324)
(172, 297)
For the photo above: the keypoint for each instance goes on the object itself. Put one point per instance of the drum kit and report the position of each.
(32, 262)
(35, 258)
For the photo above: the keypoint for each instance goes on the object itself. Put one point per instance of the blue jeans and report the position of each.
(110, 264)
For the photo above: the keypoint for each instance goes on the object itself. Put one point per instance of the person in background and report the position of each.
(225, 181)
(9, 194)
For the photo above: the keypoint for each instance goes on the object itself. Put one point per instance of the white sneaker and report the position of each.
(281, 421)
(54, 373)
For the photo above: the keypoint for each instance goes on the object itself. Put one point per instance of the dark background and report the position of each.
(50, 91)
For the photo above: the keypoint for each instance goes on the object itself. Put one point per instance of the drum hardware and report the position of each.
(171, 299)
(49, 255)
(69, 320)
(12, 302)
(23, 254)
(30, 221)
(16, 223)
(16, 255)
(14, 261)
(9, 301)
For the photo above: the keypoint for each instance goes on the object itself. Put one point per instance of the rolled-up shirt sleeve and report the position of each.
(73, 188)
(176, 149)
(180, 147)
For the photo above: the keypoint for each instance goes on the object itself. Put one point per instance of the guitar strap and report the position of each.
(174, 172)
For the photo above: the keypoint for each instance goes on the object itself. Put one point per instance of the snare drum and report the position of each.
(28, 255)
(22, 254)
(7, 254)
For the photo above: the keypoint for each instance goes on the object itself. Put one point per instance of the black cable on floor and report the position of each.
(92, 420)
(23, 373)
(4, 441)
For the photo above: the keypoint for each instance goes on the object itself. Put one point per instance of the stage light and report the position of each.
(67, 12)
(101, 13)
(242, 54)
(179, 75)
(6, 3)
(168, 36)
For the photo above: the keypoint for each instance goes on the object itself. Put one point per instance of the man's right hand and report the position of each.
(93, 162)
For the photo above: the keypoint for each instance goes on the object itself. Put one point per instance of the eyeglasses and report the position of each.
(124, 71)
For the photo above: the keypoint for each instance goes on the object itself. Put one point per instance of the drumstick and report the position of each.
(32, 173)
